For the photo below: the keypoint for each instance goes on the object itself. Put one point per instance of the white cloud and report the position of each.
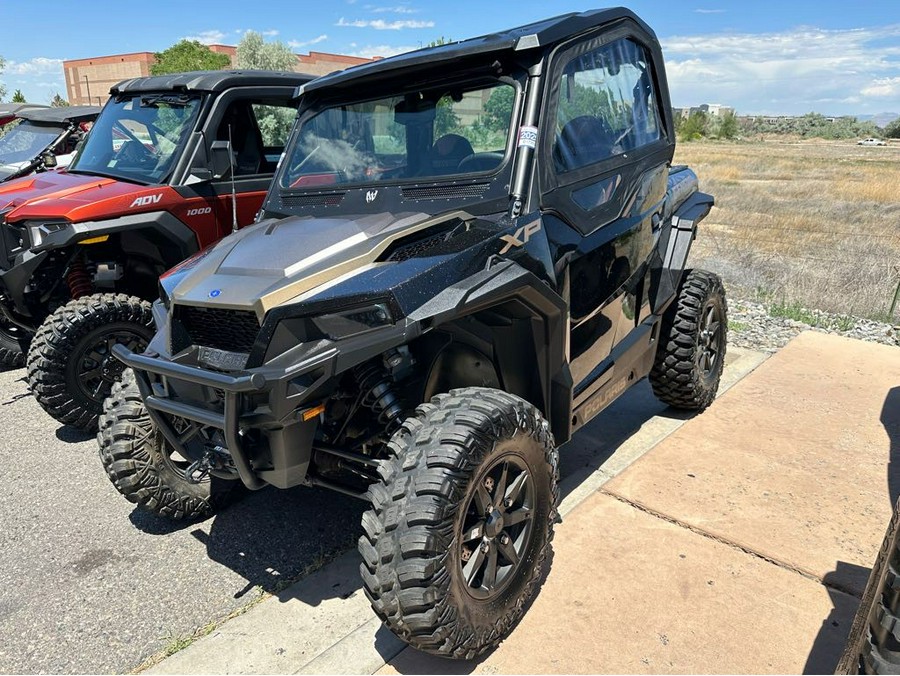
(210, 37)
(788, 72)
(381, 50)
(296, 44)
(709, 11)
(36, 67)
(382, 25)
(882, 86)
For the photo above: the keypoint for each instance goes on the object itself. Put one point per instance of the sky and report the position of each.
(760, 56)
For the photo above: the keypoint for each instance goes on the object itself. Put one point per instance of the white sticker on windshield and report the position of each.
(528, 137)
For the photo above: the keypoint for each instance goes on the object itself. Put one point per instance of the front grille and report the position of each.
(329, 199)
(231, 330)
(436, 192)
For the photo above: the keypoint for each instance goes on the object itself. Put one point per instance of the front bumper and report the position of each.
(268, 402)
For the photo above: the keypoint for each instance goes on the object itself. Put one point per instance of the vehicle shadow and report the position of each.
(274, 537)
(829, 643)
(833, 636)
(73, 435)
(595, 443)
(890, 418)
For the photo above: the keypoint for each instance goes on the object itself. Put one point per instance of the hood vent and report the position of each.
(328, 199)
(438, 192)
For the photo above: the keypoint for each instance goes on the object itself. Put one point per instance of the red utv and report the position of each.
(172, 164)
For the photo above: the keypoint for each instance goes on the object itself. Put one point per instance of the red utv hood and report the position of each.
(78, 198)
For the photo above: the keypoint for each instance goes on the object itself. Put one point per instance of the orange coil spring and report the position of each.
(78, 279)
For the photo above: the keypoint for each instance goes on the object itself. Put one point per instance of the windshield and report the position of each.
(25, 141)
(138, 138)
(424, 134)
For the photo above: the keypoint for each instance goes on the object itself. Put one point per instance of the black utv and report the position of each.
(43, 138)
(467, 253)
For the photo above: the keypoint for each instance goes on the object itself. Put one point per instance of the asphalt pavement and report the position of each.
(91, 584)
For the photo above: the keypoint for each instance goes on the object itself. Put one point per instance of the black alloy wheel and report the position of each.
(497, 527)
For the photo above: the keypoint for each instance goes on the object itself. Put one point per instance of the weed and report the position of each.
(812, 221)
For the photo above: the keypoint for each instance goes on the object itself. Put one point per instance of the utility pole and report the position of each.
(87, 83)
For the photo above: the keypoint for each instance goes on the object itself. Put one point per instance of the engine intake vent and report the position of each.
(231, 330)
(437, 192)
(418, 247)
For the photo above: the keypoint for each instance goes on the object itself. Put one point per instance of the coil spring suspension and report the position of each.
(379, 395)
(78, 279)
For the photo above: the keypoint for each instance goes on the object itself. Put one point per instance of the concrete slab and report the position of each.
(323, 624)
(632, 593)
(798, 463)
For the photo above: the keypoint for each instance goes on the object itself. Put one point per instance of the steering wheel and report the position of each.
(135, 153)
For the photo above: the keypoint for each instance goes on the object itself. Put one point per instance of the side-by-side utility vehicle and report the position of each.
(171, 165)
(43, 138)
(467, 252)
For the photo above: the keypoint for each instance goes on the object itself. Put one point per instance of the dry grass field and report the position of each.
(811, 223)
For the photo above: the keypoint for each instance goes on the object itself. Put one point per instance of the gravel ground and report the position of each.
(751, 326)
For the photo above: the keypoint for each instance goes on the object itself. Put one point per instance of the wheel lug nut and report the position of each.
(484, 547)
(504, 539)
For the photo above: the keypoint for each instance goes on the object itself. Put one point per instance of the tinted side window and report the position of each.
(607, 105)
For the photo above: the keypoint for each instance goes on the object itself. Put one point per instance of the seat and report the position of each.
(583, 140)
(446, 154)
(246, 139)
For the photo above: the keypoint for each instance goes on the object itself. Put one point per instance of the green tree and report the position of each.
(188, 55)
(58, 101)
(727, 127)
(2, 88)
(892, 129)
(694, 127)
(18, 97)
(254, 53)
(498, 109)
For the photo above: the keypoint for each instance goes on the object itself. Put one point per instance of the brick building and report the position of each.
(88, 80)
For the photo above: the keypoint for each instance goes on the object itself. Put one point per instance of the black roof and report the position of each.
(63, 115)
(209, 81)
(542, 35)
(7, 109)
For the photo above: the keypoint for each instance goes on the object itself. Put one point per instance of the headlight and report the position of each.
(38, 232)
(351, 322)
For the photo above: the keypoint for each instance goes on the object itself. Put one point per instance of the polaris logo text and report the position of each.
(145, 201)
(521, 237)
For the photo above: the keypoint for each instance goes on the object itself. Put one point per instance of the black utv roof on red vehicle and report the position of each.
(544, 34)
(209, 81)
(64, 115)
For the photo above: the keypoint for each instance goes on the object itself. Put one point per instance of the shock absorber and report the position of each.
(378, 395)
(78, 279)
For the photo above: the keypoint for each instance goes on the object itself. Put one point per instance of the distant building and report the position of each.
(711, 109)
(88, 80)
